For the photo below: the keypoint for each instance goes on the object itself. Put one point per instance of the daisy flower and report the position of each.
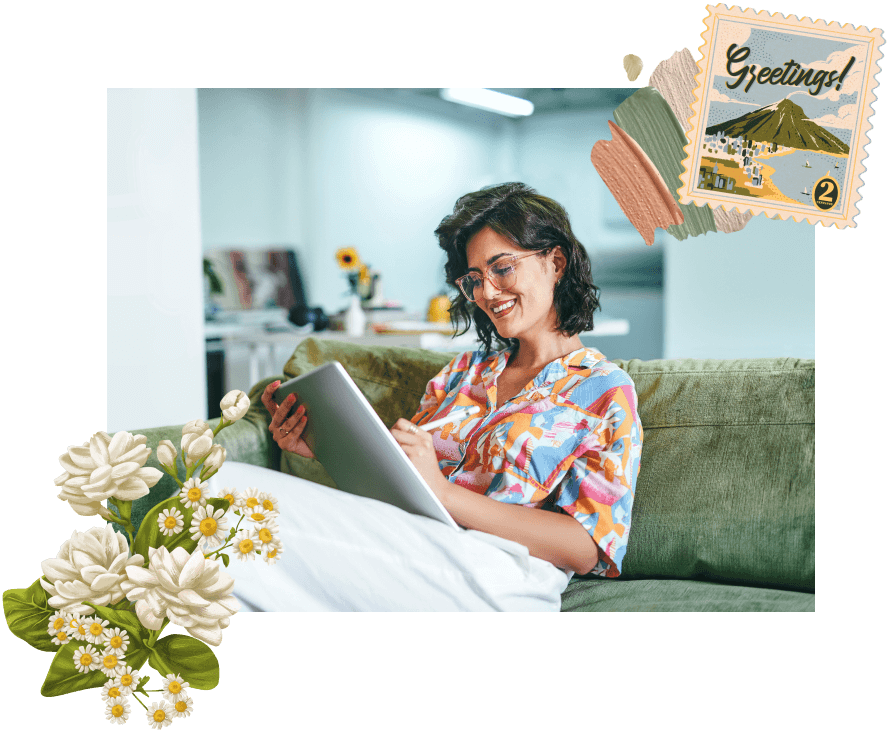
(111, 663)
(112, 691)
(74, 622)
(272, 552)
(61, 638)
(95, 630)
(182, 708)
(251, 498)
(117, 639)
(86, 659)
(117, 711)
(268, 502)
(259, 515)
(126, 680)
(193, 493)
(169, 522)
(209, 526)
(267, 532)
(57, 622)
(159, 714)
(234, 499)
(246, 544)
(174, 688)
(79, 631)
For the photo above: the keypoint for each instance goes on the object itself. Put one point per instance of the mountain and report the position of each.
(784, 123)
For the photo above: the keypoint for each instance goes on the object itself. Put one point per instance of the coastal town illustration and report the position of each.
(775, 152)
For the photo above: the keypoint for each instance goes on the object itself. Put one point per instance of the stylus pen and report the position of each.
(455, 416)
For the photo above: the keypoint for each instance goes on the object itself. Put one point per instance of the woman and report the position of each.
(557, 430)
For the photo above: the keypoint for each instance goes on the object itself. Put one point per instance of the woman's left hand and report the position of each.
(417, 444)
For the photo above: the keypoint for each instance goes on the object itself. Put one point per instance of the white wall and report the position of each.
(749, 294)
(156, 362)
(322, 169)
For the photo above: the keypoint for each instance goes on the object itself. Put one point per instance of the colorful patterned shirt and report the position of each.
(570, 441)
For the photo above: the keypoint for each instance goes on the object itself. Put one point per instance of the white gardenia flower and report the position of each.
(105, 467)
(88, 569)
(234, 405)
(197, 439)
(189, 589)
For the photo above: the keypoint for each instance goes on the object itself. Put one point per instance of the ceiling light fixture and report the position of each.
(502, 104)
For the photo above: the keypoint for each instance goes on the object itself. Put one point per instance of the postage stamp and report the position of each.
(781, 115)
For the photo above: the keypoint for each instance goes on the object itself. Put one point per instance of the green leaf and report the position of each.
(190, 658)
(27, 612)
(224, 559)
(63, 676)
(150, 535)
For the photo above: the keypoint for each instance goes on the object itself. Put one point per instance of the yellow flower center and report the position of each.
(159, 716)
(245, 546)
(170, 523)
(181, 706)
(115, 642)
(117, 711)
(265, 534)
(193, 495)
(208, 526)
(273, 552)
(62, 636)
(230, 498)
(96, 629)
(58, 623)
(126, 680)
(81, 630)
(252, 502)
(86, 660)
(110, 661)
(74, 623)
(174, 687)
(257, 517)
(268, 505)
(113, 692)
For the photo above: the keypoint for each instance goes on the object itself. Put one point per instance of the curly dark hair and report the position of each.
(533, 222)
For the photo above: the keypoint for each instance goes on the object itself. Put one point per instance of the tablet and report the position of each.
(355, 447)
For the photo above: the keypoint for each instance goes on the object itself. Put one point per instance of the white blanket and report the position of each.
(348, 553)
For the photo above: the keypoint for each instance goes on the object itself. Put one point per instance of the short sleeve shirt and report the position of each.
(569, 442)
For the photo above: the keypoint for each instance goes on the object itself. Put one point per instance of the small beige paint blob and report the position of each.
(633, 66)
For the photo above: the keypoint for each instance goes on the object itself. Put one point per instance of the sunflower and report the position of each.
(347, 258)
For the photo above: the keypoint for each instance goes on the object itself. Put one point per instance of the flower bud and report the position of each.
(166, 454)
(192, 431)
(234, 405)
(214, 461)
(198, 448)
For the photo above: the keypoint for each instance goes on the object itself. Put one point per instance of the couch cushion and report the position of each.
(602, 594)
(726, 487)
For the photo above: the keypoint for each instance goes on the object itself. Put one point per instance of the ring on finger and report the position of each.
(413, 429)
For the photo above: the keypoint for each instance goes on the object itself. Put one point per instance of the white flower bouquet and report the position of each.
(105, 599)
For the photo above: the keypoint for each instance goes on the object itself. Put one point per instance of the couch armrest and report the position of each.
(246, 441)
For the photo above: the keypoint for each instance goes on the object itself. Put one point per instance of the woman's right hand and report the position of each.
(286, 431)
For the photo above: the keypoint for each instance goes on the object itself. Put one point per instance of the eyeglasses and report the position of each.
(501, 274)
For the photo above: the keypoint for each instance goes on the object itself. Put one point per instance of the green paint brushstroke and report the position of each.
(647, 118)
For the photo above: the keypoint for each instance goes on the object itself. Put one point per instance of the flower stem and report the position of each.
(139, 701)
(220, 425)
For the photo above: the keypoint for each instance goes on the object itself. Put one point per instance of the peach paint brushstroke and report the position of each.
(636, 184)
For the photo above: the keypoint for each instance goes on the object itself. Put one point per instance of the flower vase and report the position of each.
(355, 318)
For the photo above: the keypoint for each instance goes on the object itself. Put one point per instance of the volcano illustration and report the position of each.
(784, 123)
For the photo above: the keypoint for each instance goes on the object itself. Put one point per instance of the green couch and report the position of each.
(724, 512)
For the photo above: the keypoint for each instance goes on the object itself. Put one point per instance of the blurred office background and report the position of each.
(193, 173)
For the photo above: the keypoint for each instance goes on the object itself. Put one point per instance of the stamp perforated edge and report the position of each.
(685, 191)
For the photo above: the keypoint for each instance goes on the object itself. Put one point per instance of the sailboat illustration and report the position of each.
(807, 165)
(836, 165)
(805, 190)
